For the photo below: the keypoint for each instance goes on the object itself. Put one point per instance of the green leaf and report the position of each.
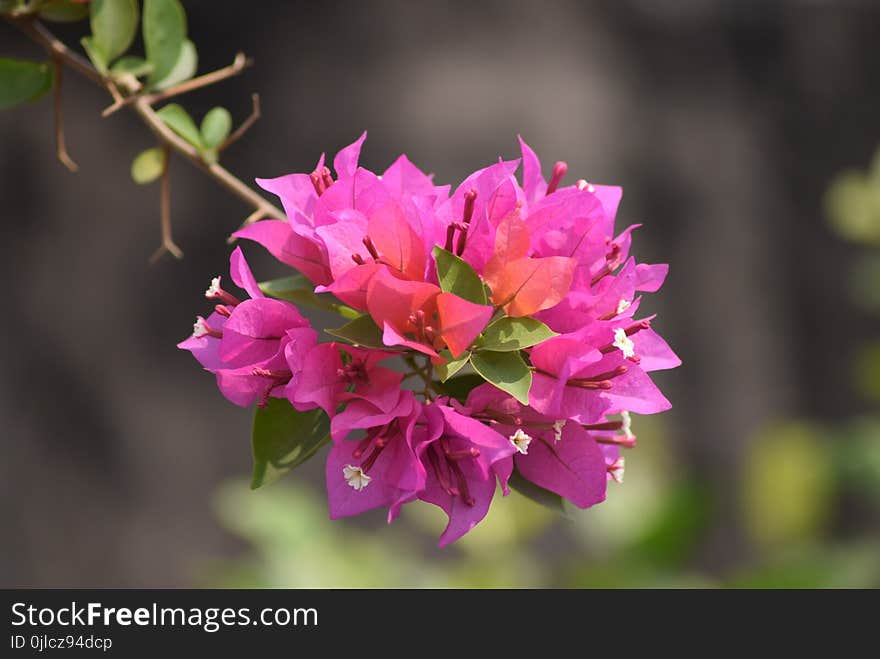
(148, 166)
(132, 65)
(457, 276)
(537, 493)
(114, 25)
(216, 127)
(63, 11)
(181, 123)
(452, 366)
(184, 68)
(361, 331)
(459, 387)
(22, 81)
(164, 35)
(287, 288)
(506, 370)
(299, 290)
(510, 334)
(284, 438)
(96, 55)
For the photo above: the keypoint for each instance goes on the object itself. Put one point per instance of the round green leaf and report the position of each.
(95, 53)
(506, 370)
(148, 166)
(132, 65)
(114, 25)
(63, 11)
(184, 68)
(457, 276)
(181, 123)
(22, 81)
(164, 35)
(510, 334)
(216, 127)
(452, 366)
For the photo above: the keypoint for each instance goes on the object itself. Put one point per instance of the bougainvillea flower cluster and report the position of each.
(491, 337)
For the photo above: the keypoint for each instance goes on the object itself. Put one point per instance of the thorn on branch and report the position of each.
(168, 244)
(245, 125)
(60, 146)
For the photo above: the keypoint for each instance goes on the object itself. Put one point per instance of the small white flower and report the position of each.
(214, 289)
(200, 328)
(582, 184)
(624, 343)
(558, 425)
(615, 470)
(356, 477)
(627, 425)
(521, 441)
(623, 305)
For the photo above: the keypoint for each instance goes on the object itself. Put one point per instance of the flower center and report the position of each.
(216, 292)
(377, 438)
(275, 379)
(445, 462)
(558, 425)
(202, 328)
(423, 332)
(321, 180)
(624, 343)
(470, 198)
(521, 441)
(353, 372)
(356, 477)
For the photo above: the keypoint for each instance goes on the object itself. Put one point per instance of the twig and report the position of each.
(238, 65)
(47, 40)
(165, 210)
(38, 33)
(256, 216)
(60, 146)
(425, 373)
(245, 125)
(215, 170)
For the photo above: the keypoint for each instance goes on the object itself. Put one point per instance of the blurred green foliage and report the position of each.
(787, 485)
(852, 203)
(647, 534)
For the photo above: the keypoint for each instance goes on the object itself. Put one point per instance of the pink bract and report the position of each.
(521, 257)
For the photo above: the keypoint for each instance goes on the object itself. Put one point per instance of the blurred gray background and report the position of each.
(724, 122)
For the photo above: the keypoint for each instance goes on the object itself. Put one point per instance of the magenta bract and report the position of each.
(522, 258)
